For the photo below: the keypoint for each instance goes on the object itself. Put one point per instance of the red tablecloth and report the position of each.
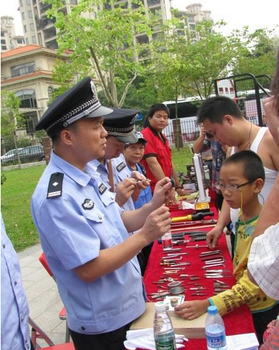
(237, 322)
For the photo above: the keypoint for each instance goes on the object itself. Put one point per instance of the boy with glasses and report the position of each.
(241, 180)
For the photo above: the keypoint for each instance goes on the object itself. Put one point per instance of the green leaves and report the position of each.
(10, 116)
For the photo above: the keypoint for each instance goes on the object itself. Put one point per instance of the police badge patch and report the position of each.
(120, 166)
(88, 204)
(102, 188)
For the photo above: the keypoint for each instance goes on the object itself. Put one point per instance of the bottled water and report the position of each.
(163, 331)
(215, 330)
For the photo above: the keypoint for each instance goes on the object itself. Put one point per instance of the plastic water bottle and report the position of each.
(163, 331)
(215, 330)
(167, 240)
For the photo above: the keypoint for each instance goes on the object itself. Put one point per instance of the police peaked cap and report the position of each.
(80, 101)
(121, 124)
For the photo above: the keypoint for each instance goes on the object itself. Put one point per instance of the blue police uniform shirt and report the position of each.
(73, 228)
(102, 170)
(14, 306)
(121, 172)
(145, 195)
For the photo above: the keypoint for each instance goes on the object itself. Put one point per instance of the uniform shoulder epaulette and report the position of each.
(55, 185)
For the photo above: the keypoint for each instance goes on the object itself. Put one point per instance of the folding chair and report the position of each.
(62, 313)
(38, 333)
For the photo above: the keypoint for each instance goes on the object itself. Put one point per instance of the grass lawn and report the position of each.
(181, 158)
(18, 189)
(16, 194)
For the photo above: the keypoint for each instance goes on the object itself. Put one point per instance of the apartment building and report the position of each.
(40, 30)
(9, 40)
(27, 72)
(190, 17)
(37, 28)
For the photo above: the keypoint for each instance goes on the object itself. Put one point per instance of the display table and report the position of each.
(237, 322)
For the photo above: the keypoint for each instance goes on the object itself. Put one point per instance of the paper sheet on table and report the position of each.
(247, 341)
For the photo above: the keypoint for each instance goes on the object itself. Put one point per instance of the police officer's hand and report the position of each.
(156, 224)
(142, 181)
(163, 192)
(124, 190)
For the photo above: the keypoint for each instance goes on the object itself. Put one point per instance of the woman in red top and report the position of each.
(157, 157)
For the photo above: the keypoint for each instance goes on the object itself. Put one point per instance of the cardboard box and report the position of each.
(191, 329)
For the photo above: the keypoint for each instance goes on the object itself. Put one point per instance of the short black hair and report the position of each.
(215, 108)
(154, 108)
(252, 164)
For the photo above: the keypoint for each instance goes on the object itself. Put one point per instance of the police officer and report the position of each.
(84, 233)
(121, 129)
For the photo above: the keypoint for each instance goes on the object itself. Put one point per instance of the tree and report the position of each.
(10, 116)
(256, 55)
(100, 37)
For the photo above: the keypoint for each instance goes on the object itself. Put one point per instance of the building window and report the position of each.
(32, 28)
(23, 16)
(20, 41)
(23, 69)
(29, 14)
(21, 3)
(50, 91)
(28, 2)
(25, 28)
(31, 120)
(34, 40)
(3, 47)
(3, 41)
(27, 41)
(2, 34)
(28, 98)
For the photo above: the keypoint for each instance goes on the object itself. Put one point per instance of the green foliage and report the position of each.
(10, 116)
(187, 67)
(15, 205)
(3, 178)
(101, 46)
(256, 55)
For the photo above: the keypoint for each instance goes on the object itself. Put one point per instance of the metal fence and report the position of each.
(187, 130)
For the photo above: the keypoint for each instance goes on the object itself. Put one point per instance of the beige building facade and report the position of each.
(27, 72)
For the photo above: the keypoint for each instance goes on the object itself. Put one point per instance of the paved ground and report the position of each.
(42, 294)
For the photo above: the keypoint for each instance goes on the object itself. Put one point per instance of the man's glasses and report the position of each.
(231, 187)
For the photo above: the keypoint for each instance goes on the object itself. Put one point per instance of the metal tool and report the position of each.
(181, 264)
(171, 258)
(213, 265)
(176, 254)
(197, 246)
(211, 252)
(218, 260)
(192, 217)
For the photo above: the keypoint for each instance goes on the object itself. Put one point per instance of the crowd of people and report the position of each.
(100, 204)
